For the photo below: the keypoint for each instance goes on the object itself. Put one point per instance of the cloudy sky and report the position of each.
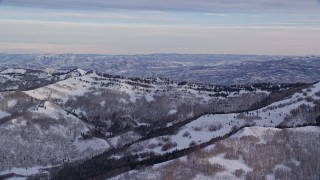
(284, 27)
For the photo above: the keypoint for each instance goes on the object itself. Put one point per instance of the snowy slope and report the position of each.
(78, 82)
(259, 132)
(48, 136)
(75, 86)
(255, 131)
(208, 127)
(13, 79)
(215, 162)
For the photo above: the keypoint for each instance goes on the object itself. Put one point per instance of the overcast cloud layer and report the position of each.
(183, 5)
(166, 26)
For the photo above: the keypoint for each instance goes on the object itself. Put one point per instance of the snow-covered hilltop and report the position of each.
(24, 79)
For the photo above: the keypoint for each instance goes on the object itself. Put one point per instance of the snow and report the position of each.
(78, 86)
(79, 82)
(282, 167)
(149, 97)
(60, 90)
(201, 177)
(159, 165)
(230, 165)
(226, 176)
(52, 110)
(315, 88)
(208, 148)
(255, 131)
(208, 127)
(306, 129)
(49, 70)
(17, 178)
(18, 122)
(173, 111)
(14, 71)
(198, 130)
(12, 103)
(79, 111)
(94, 143)
(270, 177)
(62, 129)
(25, 171)
(140, 175)
(295, 162)
(102, 103)
(3, 114)
(275, 114)
(8, 77)
(261, 132)
(81, 71)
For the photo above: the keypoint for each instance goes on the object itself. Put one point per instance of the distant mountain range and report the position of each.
(208, 69)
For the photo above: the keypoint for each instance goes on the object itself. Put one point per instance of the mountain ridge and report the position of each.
(135, 118)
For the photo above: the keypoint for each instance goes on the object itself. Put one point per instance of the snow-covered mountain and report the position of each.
(87, 124)
(198, 68)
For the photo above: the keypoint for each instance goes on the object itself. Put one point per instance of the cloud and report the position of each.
(57, 37)
(177, 5)
(200, 12)
(154, 26)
